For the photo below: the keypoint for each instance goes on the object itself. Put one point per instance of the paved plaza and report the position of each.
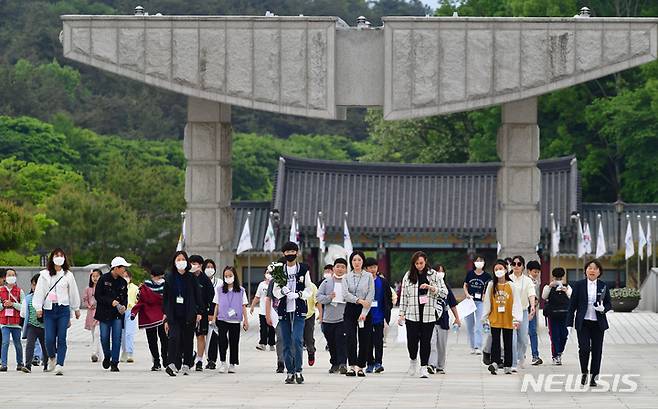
(631, 347)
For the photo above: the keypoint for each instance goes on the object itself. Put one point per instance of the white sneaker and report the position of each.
(477, 352)
(59, 370)
(231, 368)
(52, 362)
(413, 367)
(260, 347)
(185, 370)
(522, 363)
(514, 369)
(222, 367)
(472, 351)
(423, 372)
(124, 357)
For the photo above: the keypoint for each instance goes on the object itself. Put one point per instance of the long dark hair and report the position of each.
(360, 254)
(507, 273)
(205, 265)
(413, 272)
(51, 264)
(174, 270)
(100, 273)
(236, 280)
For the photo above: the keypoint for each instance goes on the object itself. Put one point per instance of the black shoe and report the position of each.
(592, 382)
(156, 367)
(199, 366)
(106, 363)
(342, 369)
(3, 369)
(19, 368)
(350, 372)
(170, 371)
(36, 362)
(280, 367)
(290, 379)
(26, 369)
(114, 367)
(431, 369)
(211, 365)
(360, 373)
(333, 369)
(486, 358)
(299, 378)
(583, 379)
(493, 368)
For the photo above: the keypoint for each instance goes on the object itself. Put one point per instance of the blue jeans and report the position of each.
(130, 328)
(474, 326)
(292, 334)
(115, 327)
(520, 340)
(16, 335)
(56, 323)
(559, 334)
(532, 332)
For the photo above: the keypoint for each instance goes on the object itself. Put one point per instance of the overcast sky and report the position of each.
(432, 3)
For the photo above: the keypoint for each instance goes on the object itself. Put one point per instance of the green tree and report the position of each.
(31, 140)
(16, 227)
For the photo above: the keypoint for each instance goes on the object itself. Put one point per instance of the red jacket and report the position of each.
(15, 317)
(149, 308)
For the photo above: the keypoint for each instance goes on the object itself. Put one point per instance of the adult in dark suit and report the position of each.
(590, 300)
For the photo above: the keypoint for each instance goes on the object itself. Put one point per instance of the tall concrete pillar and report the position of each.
(208, 190)
(519, 180)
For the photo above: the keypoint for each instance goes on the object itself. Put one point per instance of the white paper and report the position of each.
(338, 289)
(402, 334)
(466, 308)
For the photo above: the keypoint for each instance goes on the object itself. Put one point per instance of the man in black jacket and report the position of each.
(112, 297)
(183, 307)
(381, 315)
(207, 294)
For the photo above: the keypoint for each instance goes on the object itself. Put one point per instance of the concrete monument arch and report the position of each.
(314, 67)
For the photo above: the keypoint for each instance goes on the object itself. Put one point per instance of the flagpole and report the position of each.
(628, 217)
(649, 244)
(639, 249)
(249, 263)
(321, 261)
(653, 248)
(271, 253)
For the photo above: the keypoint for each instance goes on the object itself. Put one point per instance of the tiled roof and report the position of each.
(404, 198)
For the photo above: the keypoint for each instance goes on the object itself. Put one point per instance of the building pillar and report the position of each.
(519, 180)
(208, 189)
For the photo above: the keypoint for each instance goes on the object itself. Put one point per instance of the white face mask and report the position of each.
(59, 261)
(11, 280)
(181, 265)
(210, 272)
(500, 273)
(440, 275)
(479, 264)
(194, 268)
(158, 281)
(229, 280)
(268, 276)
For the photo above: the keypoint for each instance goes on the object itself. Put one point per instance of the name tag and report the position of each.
(501, 308)
(52, 296)
(9, 312)
(179, 300)
(423, 299)
(231, 312)
(477, 296)
(374, 304)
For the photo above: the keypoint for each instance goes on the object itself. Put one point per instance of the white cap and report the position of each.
(118, 262)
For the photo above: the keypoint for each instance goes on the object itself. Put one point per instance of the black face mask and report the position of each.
(291, 257)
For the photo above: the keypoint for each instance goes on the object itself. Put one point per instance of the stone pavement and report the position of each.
(631, 347)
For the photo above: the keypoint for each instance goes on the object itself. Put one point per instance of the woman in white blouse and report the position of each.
(55, 295)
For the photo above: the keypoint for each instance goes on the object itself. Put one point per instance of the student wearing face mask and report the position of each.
(474, 284)
(328, 272)
(230, 310)
(381, 315)
(267, 332)
(183, 306)
(149, 310)
(91, 324)
(590, 301)
(12, 298)
(207, 291)
(557, 294)
(55, 296)
(534, 272)
(331, 296)
(212, 340)
(526, 288)
(502, 313)
(129, 326)
(437, 362)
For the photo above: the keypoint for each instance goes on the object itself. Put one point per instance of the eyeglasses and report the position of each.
(517, 264)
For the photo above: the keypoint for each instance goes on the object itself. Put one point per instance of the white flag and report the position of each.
(587, 240)
(642, 240)
(319, 233)
(347, 241)
(498, 248)
(581, 241)
(630, 246)
(293, 231)
(269, 240)
(245, 239)
(649, 240)
(555, 239)
(600, 242)
(181, 239)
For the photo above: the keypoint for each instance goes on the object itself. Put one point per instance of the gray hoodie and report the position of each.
(332, 312)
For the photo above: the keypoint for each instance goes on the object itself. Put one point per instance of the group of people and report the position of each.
(353, 305)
